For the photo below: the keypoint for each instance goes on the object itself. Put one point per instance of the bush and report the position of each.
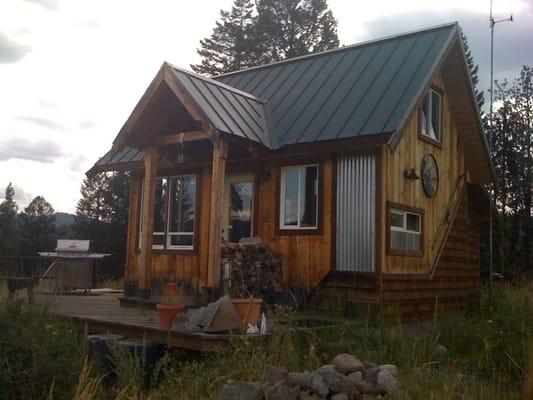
(39, 355)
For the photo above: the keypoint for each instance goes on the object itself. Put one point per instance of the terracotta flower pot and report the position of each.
(249, 310)
(167, 313)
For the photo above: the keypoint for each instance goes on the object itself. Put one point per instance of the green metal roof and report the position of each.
(363, 89)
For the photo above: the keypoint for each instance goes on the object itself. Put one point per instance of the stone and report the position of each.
(309, 396)
(301, 379)
(393, 369)
(340, 396)
(319, 386)
(352, 389)
(367, 387)
(369, 364)
(356, 376)
(371, 374)
(275, 375)
(387, 382)
(241, 390)
(281, 392)
(440, 350)
(333, 379)
(347, 363)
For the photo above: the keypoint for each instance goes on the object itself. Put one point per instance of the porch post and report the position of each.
(220, 151)
(147, 223)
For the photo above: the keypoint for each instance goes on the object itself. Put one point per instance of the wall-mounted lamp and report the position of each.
(410, 174)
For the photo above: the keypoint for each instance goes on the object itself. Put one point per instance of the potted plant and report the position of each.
(170, 305)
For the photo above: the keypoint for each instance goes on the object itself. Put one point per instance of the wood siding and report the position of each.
(408, 154)
(306, 257)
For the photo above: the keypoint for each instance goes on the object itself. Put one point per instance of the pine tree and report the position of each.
(102, 217)
(474, 69)
(231, 45)
(37, 227)
(8, 223)
(291, 28)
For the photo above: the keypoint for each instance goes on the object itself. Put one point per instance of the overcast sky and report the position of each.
(71, 71)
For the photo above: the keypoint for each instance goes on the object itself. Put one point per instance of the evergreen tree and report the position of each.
(278, 29)
(37, 227)
(8, 223)
(474, 69)
(231, 45)
(512, 155)
(102, 217)
(291, 28)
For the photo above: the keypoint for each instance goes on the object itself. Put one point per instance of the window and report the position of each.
(405, 231)
(299, 197)
(174, 213)
(431, 115)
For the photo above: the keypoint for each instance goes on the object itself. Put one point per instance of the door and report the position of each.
(238, 207)
(356, 213)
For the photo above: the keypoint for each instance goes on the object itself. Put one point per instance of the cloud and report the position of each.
(44, 151)
(42, 122)
(10, 51)
(78, 163)
(88, 124)
(48, 4)
(21, 196)
(512, 50)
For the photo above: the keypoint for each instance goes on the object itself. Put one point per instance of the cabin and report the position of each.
(362, 166)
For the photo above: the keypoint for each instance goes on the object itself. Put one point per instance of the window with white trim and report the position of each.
(431, 115)
(299, 197)
(405, 231)
(174, 213)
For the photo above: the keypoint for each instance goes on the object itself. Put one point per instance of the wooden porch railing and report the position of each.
(446, 222)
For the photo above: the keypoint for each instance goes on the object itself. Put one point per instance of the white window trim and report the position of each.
(429, 117)
(282, 198)
(167, 244)
(404, 219)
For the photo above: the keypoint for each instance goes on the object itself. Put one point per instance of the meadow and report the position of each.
(489, 355)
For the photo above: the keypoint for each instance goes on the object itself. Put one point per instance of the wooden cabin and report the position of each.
(362, 166)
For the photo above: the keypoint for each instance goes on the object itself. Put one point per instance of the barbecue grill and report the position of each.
(73, 265)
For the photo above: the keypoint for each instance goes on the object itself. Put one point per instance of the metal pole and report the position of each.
(491, 133)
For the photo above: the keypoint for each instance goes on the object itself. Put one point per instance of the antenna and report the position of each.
(492, 24)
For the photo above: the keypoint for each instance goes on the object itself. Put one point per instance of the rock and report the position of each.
(319, 386)
(275, 375)
(356, 376)
(241, 390)
(281, 392)
(393, 369)
(340, 396)
(301, 379)
(333, 379)
(387, 382)
(352, 389)
(368, 387)
(309, 396)
(371, 374)
(440, 350)
(369, 364)
(347, 363)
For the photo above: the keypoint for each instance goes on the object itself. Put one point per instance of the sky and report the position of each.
(71, 71)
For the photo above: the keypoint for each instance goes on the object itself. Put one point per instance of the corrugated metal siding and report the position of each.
(356, 213)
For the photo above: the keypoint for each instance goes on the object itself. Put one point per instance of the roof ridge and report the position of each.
(338, 49)
(214, 82)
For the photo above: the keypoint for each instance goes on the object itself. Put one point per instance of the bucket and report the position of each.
(167, 313)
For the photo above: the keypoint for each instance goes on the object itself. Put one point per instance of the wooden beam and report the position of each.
(220, 152)
(175, 138)
(150, 169)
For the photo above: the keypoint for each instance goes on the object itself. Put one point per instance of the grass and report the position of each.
(490, 356)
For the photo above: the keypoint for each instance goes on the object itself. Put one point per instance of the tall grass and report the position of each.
(490, 356)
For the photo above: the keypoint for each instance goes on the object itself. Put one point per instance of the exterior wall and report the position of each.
(306, 257)
(408, 154)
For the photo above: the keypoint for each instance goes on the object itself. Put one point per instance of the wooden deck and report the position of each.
(102, 313)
